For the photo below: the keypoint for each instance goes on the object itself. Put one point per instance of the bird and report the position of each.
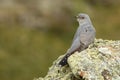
(83, 37)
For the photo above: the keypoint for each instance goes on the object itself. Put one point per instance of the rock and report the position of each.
(100, 61)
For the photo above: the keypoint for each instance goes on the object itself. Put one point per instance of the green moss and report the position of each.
(93, 63)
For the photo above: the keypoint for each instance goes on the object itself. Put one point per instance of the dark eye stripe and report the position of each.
(82, 17)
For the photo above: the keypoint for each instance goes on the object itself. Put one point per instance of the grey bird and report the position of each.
(83, 37)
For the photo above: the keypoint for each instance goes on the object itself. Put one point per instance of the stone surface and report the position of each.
(100, 61)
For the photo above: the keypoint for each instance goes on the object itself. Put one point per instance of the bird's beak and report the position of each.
(77, 16)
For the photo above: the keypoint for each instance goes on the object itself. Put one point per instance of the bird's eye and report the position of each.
(82, 17)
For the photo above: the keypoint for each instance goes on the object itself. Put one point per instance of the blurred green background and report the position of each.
(34, 33)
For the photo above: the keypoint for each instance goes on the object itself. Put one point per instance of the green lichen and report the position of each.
(100, 61)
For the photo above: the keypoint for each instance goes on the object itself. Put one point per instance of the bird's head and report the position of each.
(82, 18)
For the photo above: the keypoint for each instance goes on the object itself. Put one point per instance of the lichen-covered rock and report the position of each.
(100, 61)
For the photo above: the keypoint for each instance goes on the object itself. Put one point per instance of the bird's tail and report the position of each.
(64, 60)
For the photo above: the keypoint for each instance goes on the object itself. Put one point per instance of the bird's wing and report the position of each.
(75, 46)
